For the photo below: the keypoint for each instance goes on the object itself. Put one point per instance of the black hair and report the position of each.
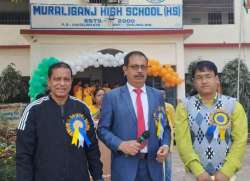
(204, 65)
(95, 92)
(59, 65)
(130, 54)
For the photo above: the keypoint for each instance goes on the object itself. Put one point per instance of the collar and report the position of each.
(53, 100)
(210, 102)
(131, 88)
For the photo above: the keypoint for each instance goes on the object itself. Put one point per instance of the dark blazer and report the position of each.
(118, 123)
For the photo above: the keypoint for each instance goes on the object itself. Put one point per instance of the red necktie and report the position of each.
(140, 115)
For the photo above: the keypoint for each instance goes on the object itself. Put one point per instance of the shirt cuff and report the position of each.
(165, 146)
(195, 168)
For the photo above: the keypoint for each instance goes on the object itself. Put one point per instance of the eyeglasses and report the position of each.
(137, 67)
(204, 77)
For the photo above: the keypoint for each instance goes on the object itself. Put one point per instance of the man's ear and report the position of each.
(124, 68)
(48, 84)
(217, 79)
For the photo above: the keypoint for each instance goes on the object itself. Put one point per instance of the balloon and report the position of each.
(38, 81)
(96, 65)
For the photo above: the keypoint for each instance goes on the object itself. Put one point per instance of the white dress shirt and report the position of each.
(144, 99)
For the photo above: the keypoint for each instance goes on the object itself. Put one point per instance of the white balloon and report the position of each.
(74, 71)
(121, 61)
(78, 62)
(78, 68)
(85, 65)
(105, 64)
(100, 61)
(96, 59)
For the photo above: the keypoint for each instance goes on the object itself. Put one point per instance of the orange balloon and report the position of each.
(166, 84)
(154, 69)
(163, 72)
(149, 72)
(171, 70)
(158, 70)
(163, 78)
(174, 80)
(155, 74)
(171, 80)
(168, 75)
(166, 66)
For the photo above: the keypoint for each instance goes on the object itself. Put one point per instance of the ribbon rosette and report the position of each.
(219, 120)
(77, 126)
(160, 121)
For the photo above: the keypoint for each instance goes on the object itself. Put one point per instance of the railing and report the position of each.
(14, 18)
(210, 12)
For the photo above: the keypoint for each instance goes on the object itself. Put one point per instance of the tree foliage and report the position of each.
(11, 84)
(229, 79)
(16, 1)
(188, 80)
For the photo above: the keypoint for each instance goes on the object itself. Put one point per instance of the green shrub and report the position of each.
(7, 160)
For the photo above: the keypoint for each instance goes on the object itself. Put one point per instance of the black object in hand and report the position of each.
(145, 135)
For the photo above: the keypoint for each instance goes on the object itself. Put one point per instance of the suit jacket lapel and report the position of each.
(150, 105)
(127, 98)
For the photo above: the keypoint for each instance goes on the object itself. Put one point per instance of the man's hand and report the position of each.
(162, 153)
(219, 176)
(204, 176)
(131, 147)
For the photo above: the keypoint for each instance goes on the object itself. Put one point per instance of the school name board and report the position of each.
(45, 16)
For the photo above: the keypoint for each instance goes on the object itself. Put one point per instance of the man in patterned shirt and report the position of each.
(210, 128)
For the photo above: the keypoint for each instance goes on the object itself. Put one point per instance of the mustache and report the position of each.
(139, 75)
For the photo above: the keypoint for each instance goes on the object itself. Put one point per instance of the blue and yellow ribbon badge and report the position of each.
(220, 120)
(77, 126)
(160, 121)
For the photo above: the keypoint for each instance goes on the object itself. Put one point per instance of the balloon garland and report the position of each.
(96, 59)
(165, 72)
(38, 81)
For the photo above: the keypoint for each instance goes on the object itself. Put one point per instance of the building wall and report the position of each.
(228, 33)
(203, 17)
(10, 51)
(220, 56)
(65, 47)
(220, 34)
(165, 49)
(134, 2)
(20, 57)
(10, 35)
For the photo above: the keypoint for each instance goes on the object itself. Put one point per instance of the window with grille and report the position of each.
(230, 18)
(14, 18)
(214, 18)
(217, 10)
(95, 1)
(104, 1)
(196, 20)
